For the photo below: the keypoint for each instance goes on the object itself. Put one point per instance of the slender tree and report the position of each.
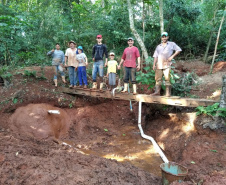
(218, 36)
(135, 33)
(161, 16)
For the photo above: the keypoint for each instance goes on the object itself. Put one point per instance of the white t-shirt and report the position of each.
(71, 54)
(81, 58)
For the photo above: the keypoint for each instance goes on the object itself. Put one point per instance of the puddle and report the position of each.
(130, 147)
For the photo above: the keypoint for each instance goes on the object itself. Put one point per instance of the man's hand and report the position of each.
(52, 50)
(87, 64)
(94, 59)
(170, 58)
(119, 67)
(154, 67)
(138, 68)
(106, 64)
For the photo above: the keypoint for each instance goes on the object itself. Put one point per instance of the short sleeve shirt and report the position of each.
(163, 53)
(81, 58)
(112, 65)
(130, 56)
(71, 54)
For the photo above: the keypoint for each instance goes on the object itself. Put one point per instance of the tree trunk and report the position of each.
(143, 25)
(215, 51)
(136, 35)
(208, 47)
(210, 38)
(161, 16)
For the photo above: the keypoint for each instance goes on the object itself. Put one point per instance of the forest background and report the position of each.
(30, 28)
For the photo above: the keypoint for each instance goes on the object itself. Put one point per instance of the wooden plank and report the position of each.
(172, 100)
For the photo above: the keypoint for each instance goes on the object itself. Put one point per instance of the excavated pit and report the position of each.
(108, 130)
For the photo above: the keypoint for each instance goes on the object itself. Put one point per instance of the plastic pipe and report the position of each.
(53, 111)
(156, 146)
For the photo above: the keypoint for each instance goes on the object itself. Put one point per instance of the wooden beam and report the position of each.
(172, 100)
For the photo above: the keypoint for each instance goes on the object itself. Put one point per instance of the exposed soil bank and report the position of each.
(27, 159)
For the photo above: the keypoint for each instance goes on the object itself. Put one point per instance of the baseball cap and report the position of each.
(164, 33)
(130, 38)
(80, 47)
(112, 53)
(99, 36)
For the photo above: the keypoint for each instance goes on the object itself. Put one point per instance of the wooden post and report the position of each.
(223, 93)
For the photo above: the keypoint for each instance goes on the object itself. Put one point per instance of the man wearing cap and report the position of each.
(163, 56)
(129, 57)
(71, 63)
(99, 50)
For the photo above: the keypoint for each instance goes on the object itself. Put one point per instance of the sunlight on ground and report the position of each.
(164, 133)
(132, 156)
(188, 123)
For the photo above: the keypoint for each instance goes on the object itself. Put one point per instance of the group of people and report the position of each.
(76, 62)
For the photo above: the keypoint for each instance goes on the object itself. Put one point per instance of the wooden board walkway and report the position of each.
(172, 100)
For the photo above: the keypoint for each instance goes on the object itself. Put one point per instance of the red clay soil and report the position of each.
(29, 153)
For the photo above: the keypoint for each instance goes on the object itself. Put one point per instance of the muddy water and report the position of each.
(129, 146)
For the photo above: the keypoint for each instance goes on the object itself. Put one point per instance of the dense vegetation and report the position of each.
(28, 29)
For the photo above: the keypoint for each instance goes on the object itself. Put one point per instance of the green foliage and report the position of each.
(147, 77)
(28, 73)
(212, 110)
(4, 72)
(181, 86)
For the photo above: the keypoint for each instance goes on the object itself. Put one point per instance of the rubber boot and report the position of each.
(63, 79)
(134, 89)
(125, 88)
(94, 85)
(168, 90)
(101, 86)
(157, 91)
(55, 82)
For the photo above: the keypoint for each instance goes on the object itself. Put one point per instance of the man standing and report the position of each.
(99, 50)
(72, 63)
(162, 63)
(57, 63)
(129, 57)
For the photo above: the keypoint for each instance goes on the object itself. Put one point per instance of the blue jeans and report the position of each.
(56, 69)
(98, 67)
(129, 74)
(73, 76)
(82, 75)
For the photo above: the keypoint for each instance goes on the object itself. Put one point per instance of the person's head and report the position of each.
(80, 49)
(72, 44)
(99, 38)
(164, 37)
(130, 41)
(57, 46)
(112, 55)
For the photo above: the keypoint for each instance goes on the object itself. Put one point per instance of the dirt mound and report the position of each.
(219, 66)
(34, 120)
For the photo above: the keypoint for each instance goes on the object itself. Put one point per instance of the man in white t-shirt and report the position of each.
(71, 63)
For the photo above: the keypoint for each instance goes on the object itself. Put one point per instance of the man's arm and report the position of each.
(93, 53)
(63, 58)
(106, 55)
(50, 52)
(138, 66)
(154, 64)
(175, 54)
(119, 66)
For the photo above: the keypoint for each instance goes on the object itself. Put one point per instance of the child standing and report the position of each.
(82, 63)
(112, 66)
